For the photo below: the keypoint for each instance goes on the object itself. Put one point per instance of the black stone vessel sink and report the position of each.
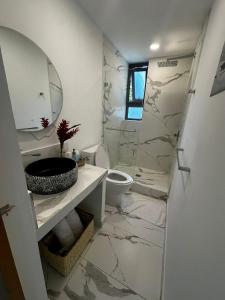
(51, 175)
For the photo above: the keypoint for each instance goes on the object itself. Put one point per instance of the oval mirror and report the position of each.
(34, 84)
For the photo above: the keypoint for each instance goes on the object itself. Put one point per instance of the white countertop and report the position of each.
(51, 209)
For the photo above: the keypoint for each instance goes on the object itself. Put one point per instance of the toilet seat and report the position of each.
(114, 177)
(118, 177)
(118, 183)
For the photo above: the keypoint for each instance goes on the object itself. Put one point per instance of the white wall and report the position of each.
(195, 260)
(74, 45)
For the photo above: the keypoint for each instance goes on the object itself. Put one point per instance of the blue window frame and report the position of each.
(137, 76)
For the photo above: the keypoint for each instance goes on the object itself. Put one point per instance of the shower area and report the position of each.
(145, 149)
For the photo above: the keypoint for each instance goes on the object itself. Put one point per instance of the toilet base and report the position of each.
(113, 199)
(118, 199)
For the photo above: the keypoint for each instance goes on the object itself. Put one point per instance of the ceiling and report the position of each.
(132, 25)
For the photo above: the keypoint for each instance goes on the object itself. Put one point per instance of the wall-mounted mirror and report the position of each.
(34, 85)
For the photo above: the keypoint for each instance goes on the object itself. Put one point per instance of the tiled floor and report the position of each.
(124, 259)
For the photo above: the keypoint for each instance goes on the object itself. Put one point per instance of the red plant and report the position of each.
(65, 132)
(44, 122)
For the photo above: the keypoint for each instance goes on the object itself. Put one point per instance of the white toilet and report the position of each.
(117, 183)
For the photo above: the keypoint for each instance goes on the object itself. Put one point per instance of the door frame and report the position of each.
(19, 223)
(8, 268)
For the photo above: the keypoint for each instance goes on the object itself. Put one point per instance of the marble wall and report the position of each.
(165, 100)
(115, 72)
(129, 141)
(149, 143)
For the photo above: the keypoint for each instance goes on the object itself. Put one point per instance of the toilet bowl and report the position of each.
(117, 183)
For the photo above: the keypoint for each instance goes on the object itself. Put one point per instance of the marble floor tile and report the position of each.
(146, 208)
(142, 207)
(129, 259)
(88, 283)
(55, 282)
(124, 258)
(109, 210)
(136, 225)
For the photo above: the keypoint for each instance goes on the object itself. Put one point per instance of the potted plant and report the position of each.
(64, 133)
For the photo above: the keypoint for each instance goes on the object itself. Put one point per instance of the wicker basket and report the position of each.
(64, 264)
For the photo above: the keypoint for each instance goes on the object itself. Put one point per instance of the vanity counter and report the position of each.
(88, 192)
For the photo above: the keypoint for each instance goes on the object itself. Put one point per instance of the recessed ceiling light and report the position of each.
(154, 46)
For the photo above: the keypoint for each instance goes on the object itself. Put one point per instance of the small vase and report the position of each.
(61, 149)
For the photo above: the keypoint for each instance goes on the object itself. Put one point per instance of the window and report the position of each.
(137, 76)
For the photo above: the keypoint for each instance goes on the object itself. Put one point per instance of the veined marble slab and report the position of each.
(129, 259)
(149, 182)
(136, 224)
(123, 260)
(89, 282)
(147, 208)
(51, 209)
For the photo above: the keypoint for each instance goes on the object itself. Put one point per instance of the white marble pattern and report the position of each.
(136, 225)
(146, 176)
(165, 99)
(55, 282)
(88, 283)
(122, 261)
(85, 282)
(149, 209)
(152, 183)
(129, 140)
(158, 179)
(129, 259)
(151, 142)
(156, 192)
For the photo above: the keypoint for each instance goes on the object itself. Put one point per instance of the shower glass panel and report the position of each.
(129, 140)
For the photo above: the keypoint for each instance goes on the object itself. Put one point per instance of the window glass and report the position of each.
(136, 84)
(135, 113)
(139, 83)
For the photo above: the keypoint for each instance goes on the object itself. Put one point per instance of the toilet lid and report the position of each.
(102, 158)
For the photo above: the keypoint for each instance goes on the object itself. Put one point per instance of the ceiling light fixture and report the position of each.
(154, 46)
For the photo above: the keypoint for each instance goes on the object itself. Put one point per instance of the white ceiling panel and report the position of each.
(132, 25)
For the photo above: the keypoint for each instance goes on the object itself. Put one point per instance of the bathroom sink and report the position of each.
(51, 175)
